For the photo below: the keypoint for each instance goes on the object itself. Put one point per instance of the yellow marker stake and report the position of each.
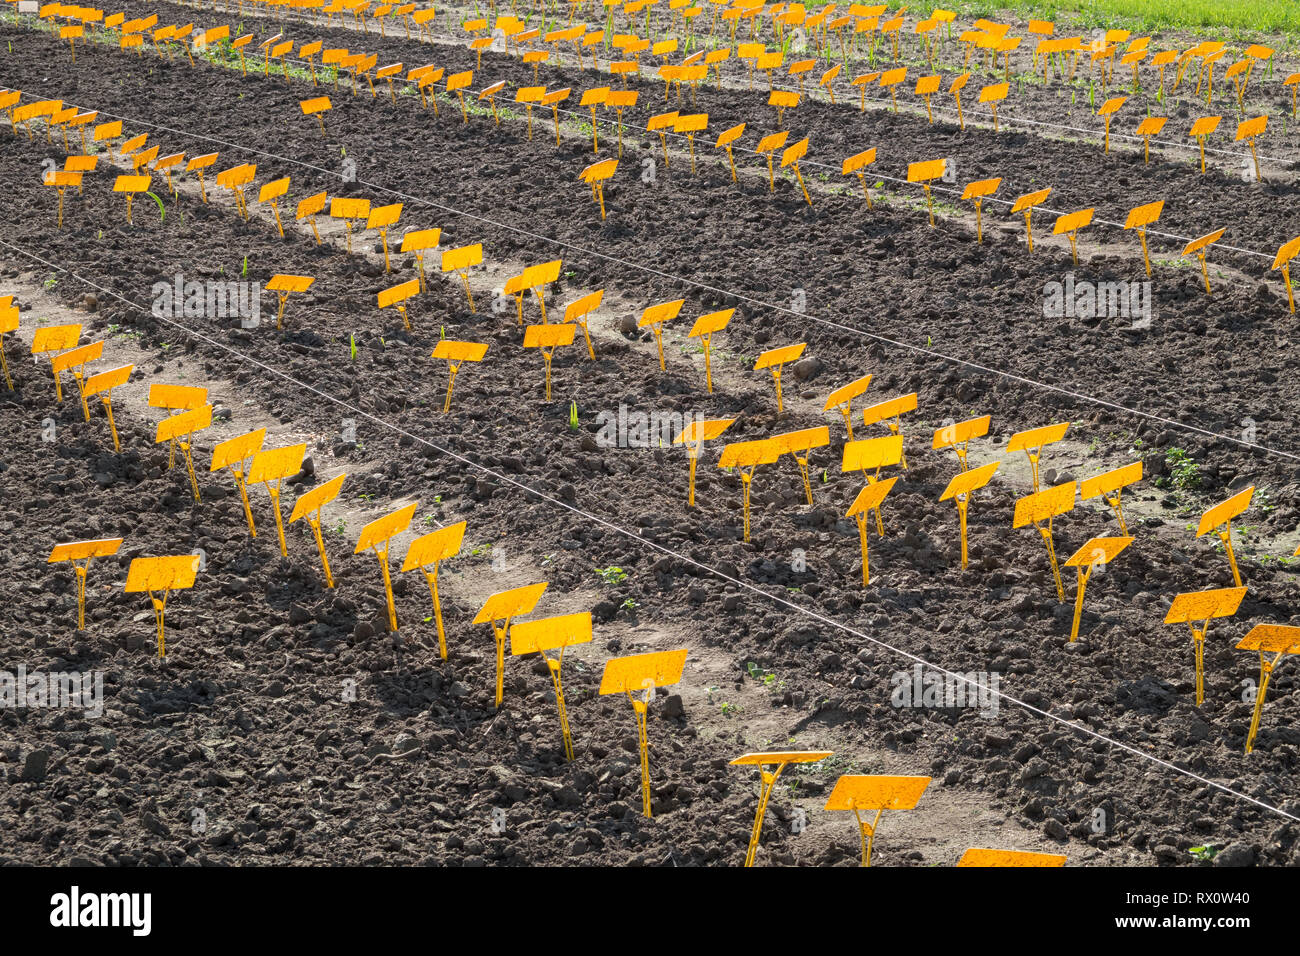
(553, 99)
(767, 146)
(308, 209)
(382, 218)
(926, 87)
(958, 84)
(578, 312)
(982, 857)
(165, 165)
(528, 97)
(747, 456)
(457, 83)
(890, 80)
(1199, 248)
(83, 552)
(1039, 509)
(1293, 81)
(979, 191)
(548, 338)
(1026, 204)
(894, 408)
(376, 537)
(1032, 442)
(196, 166)
(270, 468)
(868, 456)
(1278, 640)
(595, 176)
(348, 210)
(232, 454)
(779, 759)
(131, 185)
(9, 323)
(165, 574)
(1096, 554)
(1201, 130)
(1141, 217)
(537, 278)
(461, 261)
(75, 360)
(775, 359)
(489, 93)
(1250, 130)
(869, 499)
(992, 95)
(690, 125)
(1115, 480)
(456, 353)
(1069, 225)
(960, 489)
(317, 107)
(783, 100)
(1151, 126)
(958, 436)
(620, 100)
(1285, 253)
(176, 398)
(799, 445)
(309, 506)
(591, 99)
(703, 329)
(863, 793)
(725, 139)
(1219, 520)
(284, 286)
(398, 295)
(790, 157)
(431, 550)
(1109, 109)
(498, 610)
(235, 179)
(103, 385)
(420, 241)
(61, 180)
(693, 436)
(549, 634)
(842, 400)
(643, 672)
(1203, 606)
(180, 429)
(655, 316)
(856, 165)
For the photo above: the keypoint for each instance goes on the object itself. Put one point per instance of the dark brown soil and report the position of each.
(245, 718)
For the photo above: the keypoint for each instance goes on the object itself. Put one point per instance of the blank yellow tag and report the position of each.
(84, 552)
(1039, 509)
(1115, 480)
(455, 353)
(1203, 606)
(779, 759)
(981, 857)
(498, 610)
(864, 793)
(376, 537)
(162, 574)
(643, 672)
